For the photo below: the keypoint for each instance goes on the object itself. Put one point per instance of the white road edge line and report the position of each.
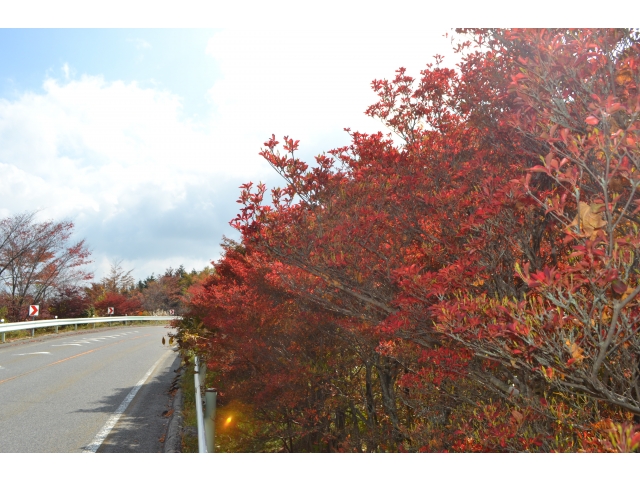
(32, 353)
(113, 419)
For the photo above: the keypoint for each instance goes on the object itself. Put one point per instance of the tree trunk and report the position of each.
(388, 371)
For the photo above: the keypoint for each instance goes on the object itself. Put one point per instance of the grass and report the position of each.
(41, 332)
(189, 433)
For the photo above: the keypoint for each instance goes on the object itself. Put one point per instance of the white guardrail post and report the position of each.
(210, 398)
(33, 324)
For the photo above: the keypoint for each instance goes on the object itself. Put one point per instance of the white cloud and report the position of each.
(312, 83)
(121, 160)
(145, 183)
(140, 43)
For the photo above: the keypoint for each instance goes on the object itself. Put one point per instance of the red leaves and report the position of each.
(122, 304)
(420, 242)
(271, 143)
(619, 287)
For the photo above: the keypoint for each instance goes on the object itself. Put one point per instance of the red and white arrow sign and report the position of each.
(110, 310)
(170, 312)
(34, 310)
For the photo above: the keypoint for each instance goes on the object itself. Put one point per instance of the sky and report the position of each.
(142, 136)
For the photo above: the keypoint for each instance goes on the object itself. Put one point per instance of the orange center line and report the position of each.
(69, 358)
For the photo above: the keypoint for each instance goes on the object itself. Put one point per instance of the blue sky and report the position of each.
(174, 59)
(142, 136)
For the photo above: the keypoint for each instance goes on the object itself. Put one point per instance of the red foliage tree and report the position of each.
(122, 304)
(288, 374)
(485, 265)
(68, 302)
(575, 93)
(36, 259)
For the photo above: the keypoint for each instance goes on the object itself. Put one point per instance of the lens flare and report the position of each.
(228, 421)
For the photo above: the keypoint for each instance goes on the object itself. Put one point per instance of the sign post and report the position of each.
(34, 311)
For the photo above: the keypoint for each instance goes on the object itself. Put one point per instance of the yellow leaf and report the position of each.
(590, 218)
(627, 293)
(624, 76)
(575, 351)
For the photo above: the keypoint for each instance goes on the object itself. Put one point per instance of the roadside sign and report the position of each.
(110, 310)
(171, 312)
(34, 310)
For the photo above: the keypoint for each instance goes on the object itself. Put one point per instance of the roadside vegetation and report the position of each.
(468, 283)
(189, 430)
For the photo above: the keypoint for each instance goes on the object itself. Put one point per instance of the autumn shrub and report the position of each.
(468, 284)
(121, 303)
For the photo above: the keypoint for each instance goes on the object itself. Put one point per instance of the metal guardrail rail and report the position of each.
(33, 324)
(205, 420)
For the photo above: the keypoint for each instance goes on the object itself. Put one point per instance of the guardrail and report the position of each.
(204, 420)
(33, 324)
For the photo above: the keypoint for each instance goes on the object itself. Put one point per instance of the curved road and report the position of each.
(102, 390)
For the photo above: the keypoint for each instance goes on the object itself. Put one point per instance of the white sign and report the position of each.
(110, 310)
(171, 312)
(34, 310)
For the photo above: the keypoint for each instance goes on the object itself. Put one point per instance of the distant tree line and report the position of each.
(41, 264)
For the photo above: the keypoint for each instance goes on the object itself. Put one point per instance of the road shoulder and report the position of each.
(144, 424)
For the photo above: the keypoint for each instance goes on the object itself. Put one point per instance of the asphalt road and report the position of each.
(103, 390)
